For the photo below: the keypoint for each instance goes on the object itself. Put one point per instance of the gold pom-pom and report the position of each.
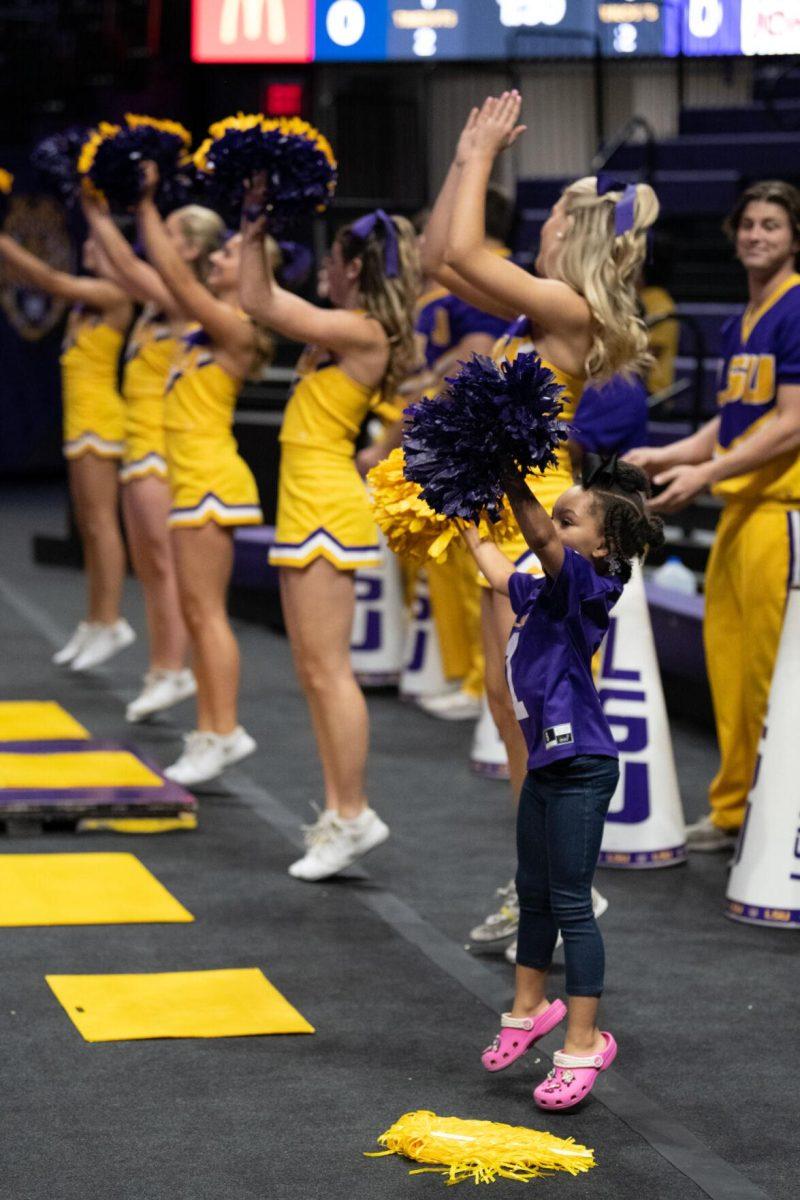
(411, 527)
(481, 1151)
(6, 181)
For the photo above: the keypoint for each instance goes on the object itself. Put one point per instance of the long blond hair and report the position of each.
(389, 298)
(602, 266)
(204, 230)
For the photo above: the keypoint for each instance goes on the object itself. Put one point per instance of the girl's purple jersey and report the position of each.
(560, 624)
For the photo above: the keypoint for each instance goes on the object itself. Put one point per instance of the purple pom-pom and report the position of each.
(299, 176)
(55, 163)
(116, 167)
(489, 419)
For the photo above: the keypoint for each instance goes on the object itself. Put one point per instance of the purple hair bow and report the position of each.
(364, 226)
(625, 207)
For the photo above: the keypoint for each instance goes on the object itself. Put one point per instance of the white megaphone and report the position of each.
(487, 755)
(422, 666)
(377, 642)
(764, 884)
(644, 826)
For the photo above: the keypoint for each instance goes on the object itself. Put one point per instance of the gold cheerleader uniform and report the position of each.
(208, 478)
(323, 508)
(149, 357)
(549, 486)
(94, 413)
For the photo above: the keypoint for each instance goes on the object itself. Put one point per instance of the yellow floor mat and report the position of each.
(65, 769)
(83, 889)
(138, 825)
(185, 1004)
(37, 721)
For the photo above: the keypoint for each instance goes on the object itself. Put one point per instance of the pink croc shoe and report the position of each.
(573, 1076)
(517, 1035)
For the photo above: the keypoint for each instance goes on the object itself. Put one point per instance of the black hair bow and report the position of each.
(599, 472)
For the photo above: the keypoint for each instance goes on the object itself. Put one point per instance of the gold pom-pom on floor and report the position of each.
(481, 1151)
(411, 527)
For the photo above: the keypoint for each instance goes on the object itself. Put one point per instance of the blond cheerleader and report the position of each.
(94, 438)
(212, 488)
(146, 501)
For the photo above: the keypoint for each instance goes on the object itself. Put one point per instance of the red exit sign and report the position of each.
(240, 31)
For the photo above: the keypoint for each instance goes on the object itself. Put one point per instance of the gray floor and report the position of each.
(704, 1010)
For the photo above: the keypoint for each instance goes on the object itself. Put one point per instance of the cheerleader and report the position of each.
(212, 487)
(580, 314)
(361, 349)
(152, 346)
(748, 456)
(94, 438)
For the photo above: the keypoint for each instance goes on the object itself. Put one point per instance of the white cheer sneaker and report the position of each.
(452, 706)
(334, 843)
(74, 646)
(206, 755)
(102, 643)
(162, 688)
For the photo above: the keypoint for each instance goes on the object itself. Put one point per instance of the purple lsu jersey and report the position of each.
(560, 624)
(761, 351)
(443, 321)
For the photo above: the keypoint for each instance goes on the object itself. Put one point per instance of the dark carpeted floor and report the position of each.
(704, 1010)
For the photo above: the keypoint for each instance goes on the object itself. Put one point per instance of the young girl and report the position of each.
(585, 552)
(361, 348)
(580, 314)
(213, 489)
(94, 433)
(152, 346)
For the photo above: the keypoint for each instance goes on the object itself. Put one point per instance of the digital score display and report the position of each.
(293, 31)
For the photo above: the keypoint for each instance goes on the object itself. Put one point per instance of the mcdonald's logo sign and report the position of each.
(239, 31)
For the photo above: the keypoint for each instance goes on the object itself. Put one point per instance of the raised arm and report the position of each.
(549, 303)
(434, 242)
(536, 526)
(141, 280)
(220, 320)
(494, 564)
(98, 294)
(340, 330)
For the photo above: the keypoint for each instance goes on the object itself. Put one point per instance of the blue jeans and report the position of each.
(562, 809)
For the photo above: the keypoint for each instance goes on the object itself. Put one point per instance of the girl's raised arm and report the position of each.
(220, 320)
(99, 294)
(339, 330)
(536, 526)
(141, 280)
(549, 303)
(434, 243)
(494, 564)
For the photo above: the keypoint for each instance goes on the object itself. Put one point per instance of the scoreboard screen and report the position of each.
(292, 31)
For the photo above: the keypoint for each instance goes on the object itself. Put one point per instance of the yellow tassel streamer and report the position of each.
(89, 149)
(481, 1151)
(6, 181)
(411, 527)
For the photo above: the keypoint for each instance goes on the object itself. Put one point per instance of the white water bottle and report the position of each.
(675, 576)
